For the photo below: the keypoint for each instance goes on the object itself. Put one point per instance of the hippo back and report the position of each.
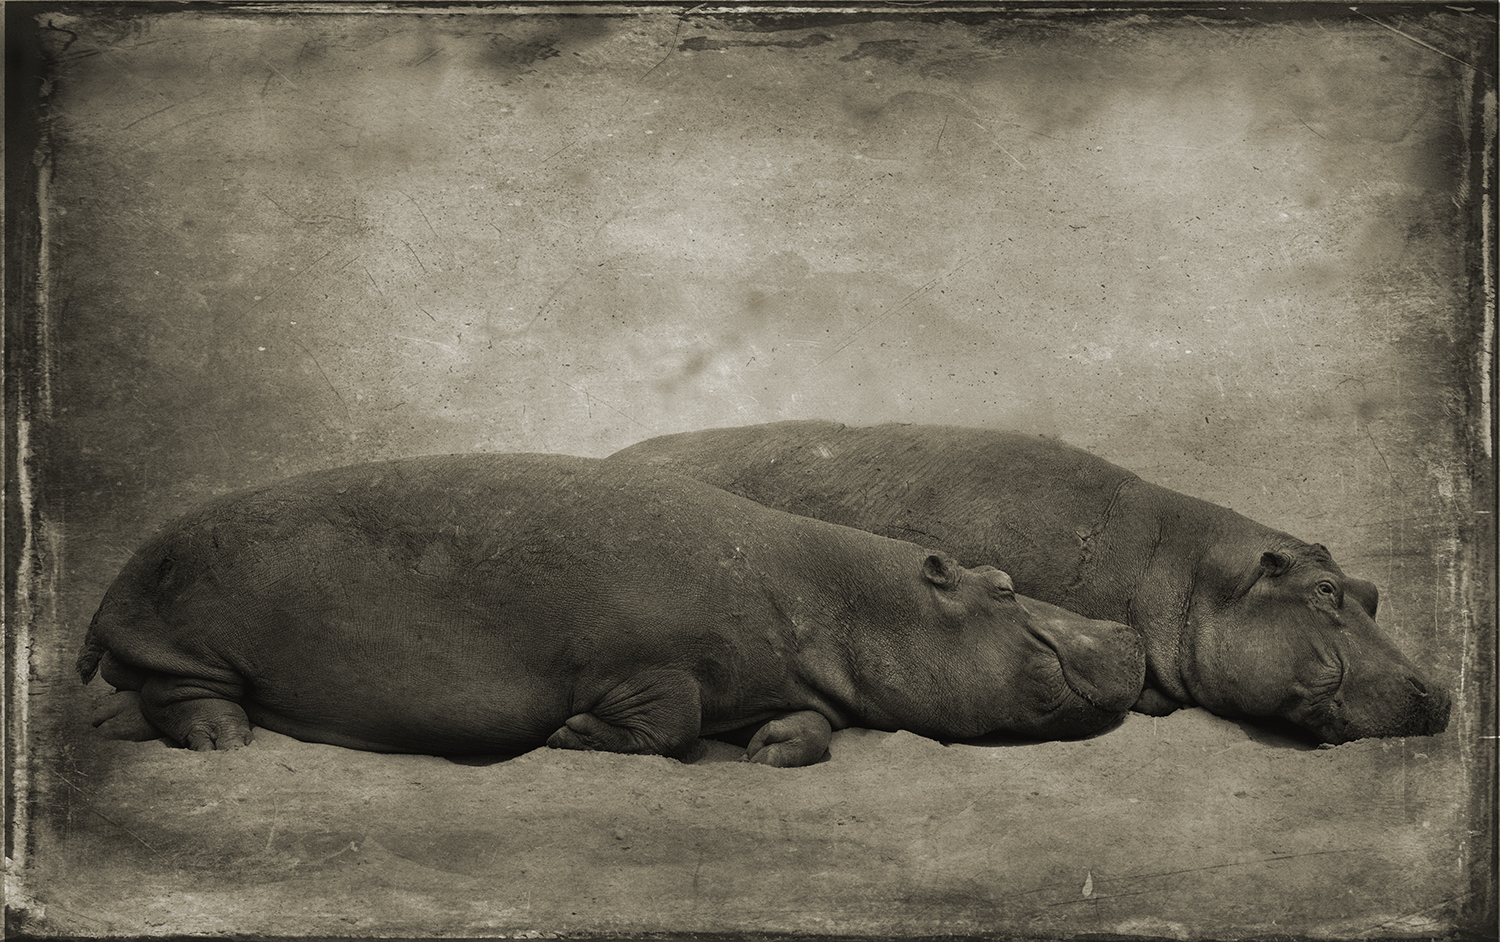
(897, 481)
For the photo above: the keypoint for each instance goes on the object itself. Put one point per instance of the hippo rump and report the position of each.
(494, 603)
(1235, 616)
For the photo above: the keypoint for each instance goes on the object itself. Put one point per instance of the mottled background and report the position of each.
(1235, 251)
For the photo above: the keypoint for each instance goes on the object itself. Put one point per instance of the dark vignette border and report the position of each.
(25, 368)
(23, 343)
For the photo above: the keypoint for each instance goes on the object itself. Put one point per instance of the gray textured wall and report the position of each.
(1233, 255)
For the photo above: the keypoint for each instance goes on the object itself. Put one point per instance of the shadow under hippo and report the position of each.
(1236, 617)
(491, 604)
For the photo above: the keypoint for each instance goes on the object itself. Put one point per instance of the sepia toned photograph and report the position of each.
(750, 471)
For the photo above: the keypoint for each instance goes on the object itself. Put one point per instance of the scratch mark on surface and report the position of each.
(558, 151)
(214, 430)
(996, 141)
(1411, 37)
(426, 57)
(1306, 125)
(1131, 877)
(894, 309)
(1394, 479)
(1275, 356)
(1154, 760)
(1229, 747)
(415, 255)
(1419, 912)
(283, 283)
(283, 76)
(681, 18)
(324, 374)
(435, 343)
(1420, 518)
(160, 110)
(1095, 899)
(590, 397)
(1244, 863)
(280, 207)
(424, 215)
(547, 303)
(126, 830)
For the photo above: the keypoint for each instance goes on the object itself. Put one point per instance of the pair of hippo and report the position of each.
(800, 577)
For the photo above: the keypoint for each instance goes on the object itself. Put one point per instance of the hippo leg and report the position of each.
(795, 739)
(118, 716)
(198, 713)
(655, 712)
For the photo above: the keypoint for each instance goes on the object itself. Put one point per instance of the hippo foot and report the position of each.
(203, 725)
(217, 737)
(588, 733)
(655, 712)
(793, 740)
(118, 716)
(201, 714)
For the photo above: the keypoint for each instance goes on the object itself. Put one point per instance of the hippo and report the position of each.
(493, 603)
(1236, 617)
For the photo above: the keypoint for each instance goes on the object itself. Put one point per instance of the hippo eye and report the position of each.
(1328, 590)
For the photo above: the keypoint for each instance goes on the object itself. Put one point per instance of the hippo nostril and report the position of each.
(1418, 686)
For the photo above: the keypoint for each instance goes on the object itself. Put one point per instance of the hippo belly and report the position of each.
(493, 603)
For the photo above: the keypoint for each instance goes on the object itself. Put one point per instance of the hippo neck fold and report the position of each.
(1194, 556)
(854, 644)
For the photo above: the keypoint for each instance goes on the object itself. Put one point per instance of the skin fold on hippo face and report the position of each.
(1068, 675)
(1299, 641)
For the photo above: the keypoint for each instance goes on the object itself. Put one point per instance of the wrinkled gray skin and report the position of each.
(1236, 617)
(493, 603)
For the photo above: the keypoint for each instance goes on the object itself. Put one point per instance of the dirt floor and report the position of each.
(1184, 826)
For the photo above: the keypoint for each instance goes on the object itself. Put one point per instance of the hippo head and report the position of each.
(1296, 638)
(1030, 668)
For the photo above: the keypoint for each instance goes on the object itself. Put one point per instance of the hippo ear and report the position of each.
(1364, 593)
(1274, 563)
(941, 571)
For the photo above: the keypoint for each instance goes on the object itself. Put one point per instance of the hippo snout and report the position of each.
(1106, 666)
(1405, 706)
(1103, 663)
(1428, 707)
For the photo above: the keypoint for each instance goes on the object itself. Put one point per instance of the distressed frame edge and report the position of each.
(29, 576)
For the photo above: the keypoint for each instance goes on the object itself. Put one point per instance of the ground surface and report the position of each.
(1188, 825)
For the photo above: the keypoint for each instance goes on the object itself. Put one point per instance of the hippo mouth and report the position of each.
(1103, 668)
(1106, 674)
(1421, 712)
